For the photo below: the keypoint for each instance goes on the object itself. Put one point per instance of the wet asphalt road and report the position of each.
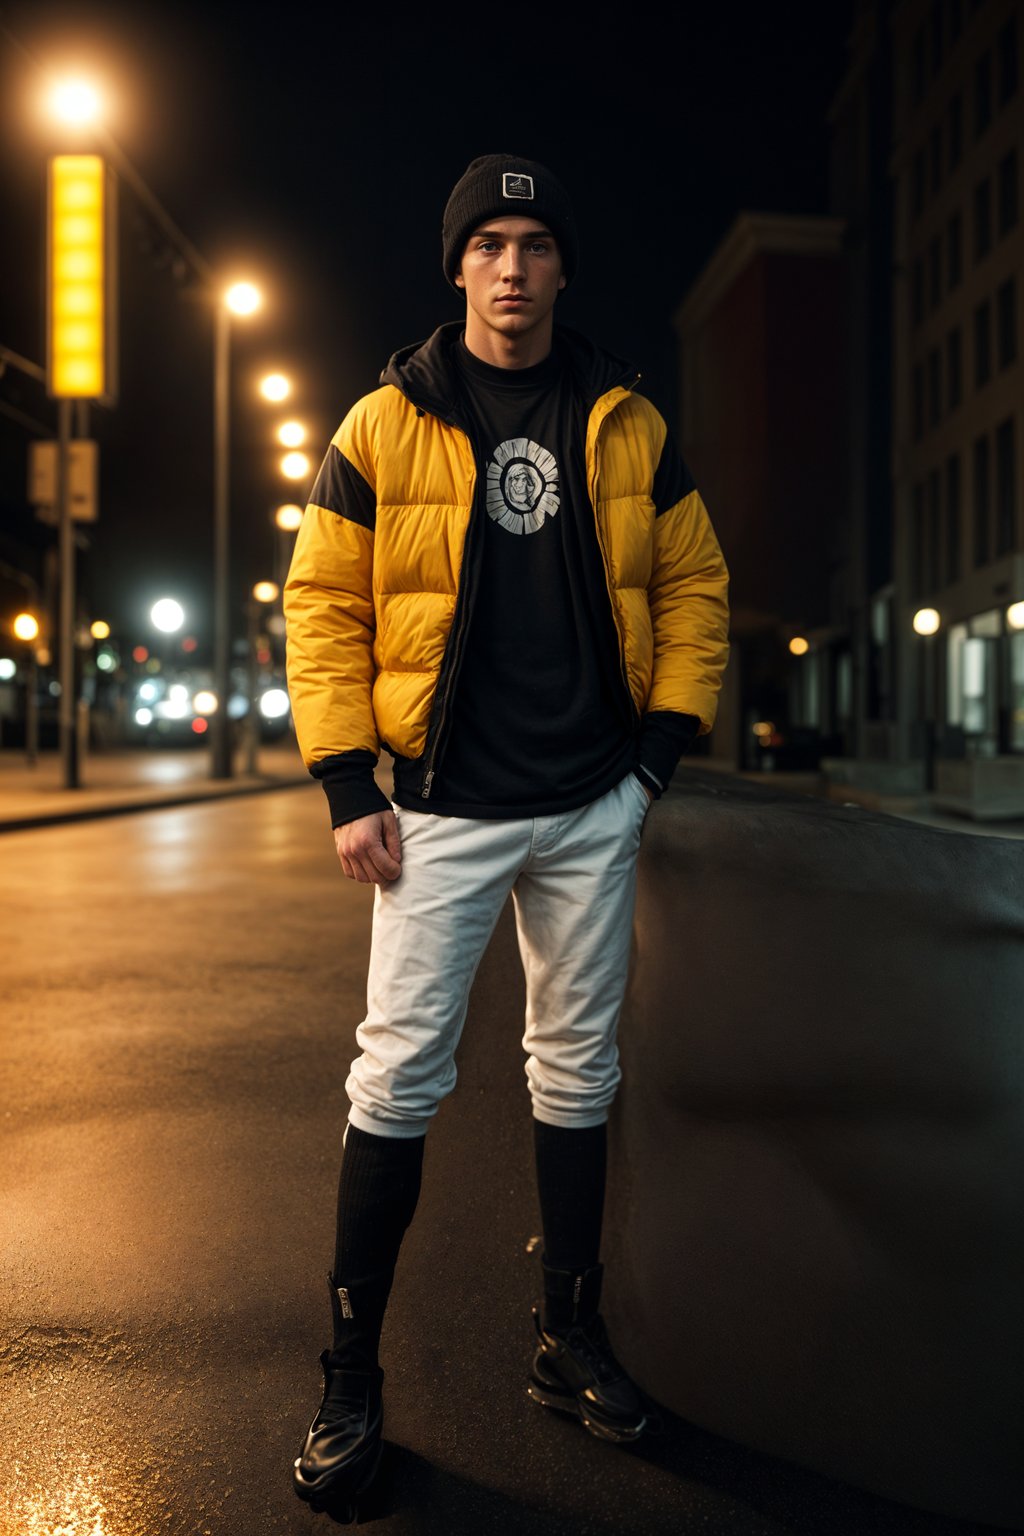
(180, 995)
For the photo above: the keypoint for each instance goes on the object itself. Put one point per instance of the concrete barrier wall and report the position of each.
(815, 1218)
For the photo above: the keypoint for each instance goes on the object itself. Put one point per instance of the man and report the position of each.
(507, 578)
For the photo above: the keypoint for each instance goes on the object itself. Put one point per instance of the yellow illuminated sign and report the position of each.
(78, 364)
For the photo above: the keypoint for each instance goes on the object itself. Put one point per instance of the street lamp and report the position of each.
(927, 622)
(289, 517)
(74, 102)
(167, 615)
(81, 347)
(240, 299)
(295, 466)
(243, 298)
(26, 629)
(275, 387)
(263, 594)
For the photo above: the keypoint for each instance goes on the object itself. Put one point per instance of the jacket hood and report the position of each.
(426, 374)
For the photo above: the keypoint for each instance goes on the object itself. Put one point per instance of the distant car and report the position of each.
(177, 711)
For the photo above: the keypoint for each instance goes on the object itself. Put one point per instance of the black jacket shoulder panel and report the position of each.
(424, 373)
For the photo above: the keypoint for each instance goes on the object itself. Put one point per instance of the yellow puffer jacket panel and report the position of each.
(374, 581)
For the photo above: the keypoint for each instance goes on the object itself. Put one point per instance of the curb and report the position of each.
(29, 822)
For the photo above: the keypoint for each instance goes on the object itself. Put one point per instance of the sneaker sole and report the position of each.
(569, 1404)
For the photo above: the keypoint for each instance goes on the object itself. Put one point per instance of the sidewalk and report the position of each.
(907, 808)
(120, 781)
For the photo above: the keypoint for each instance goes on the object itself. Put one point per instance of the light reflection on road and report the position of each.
(74, 1509)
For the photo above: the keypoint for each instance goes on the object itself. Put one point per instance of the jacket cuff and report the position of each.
(664, 737)
(350, 787)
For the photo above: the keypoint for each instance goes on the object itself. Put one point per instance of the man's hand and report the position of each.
(370, 848)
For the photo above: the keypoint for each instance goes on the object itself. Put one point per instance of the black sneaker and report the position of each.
(575, 1371)
(343, 1448)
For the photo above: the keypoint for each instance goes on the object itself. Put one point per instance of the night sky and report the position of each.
(316, 158)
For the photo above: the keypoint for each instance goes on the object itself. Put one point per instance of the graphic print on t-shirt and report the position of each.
(522, 485)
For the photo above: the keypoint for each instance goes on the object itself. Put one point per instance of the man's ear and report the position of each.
(561, 281)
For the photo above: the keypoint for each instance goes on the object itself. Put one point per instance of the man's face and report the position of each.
(511, 271)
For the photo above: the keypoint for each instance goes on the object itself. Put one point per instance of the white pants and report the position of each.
(573, 882)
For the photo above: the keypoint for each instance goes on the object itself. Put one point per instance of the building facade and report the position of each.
(958, 387)
(860, 125)
(762, 367)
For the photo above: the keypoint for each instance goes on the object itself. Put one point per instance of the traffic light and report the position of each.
(81, 270)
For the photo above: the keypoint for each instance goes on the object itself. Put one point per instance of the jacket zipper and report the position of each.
(428, 777)
(454, 640)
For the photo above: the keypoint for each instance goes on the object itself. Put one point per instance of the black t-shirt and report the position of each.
(541, 720)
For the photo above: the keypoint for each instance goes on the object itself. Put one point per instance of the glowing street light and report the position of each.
(243, 298)
(295, 466)
(291, 434)
(99, 629)
(289, 517)
(275, 387)
(26, 627)
(74, 102)
(167, 615)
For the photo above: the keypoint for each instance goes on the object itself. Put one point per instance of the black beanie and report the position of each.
(507, 185)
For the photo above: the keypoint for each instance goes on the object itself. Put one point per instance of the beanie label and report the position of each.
(515, 184)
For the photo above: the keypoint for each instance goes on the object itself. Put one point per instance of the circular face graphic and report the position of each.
(522, 485)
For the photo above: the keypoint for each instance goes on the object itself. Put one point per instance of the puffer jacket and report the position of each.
(374, 596)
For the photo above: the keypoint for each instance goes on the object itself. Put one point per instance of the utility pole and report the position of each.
(68, 708)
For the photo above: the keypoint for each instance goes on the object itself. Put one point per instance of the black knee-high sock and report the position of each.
(377, 1195)
(570, 1183)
